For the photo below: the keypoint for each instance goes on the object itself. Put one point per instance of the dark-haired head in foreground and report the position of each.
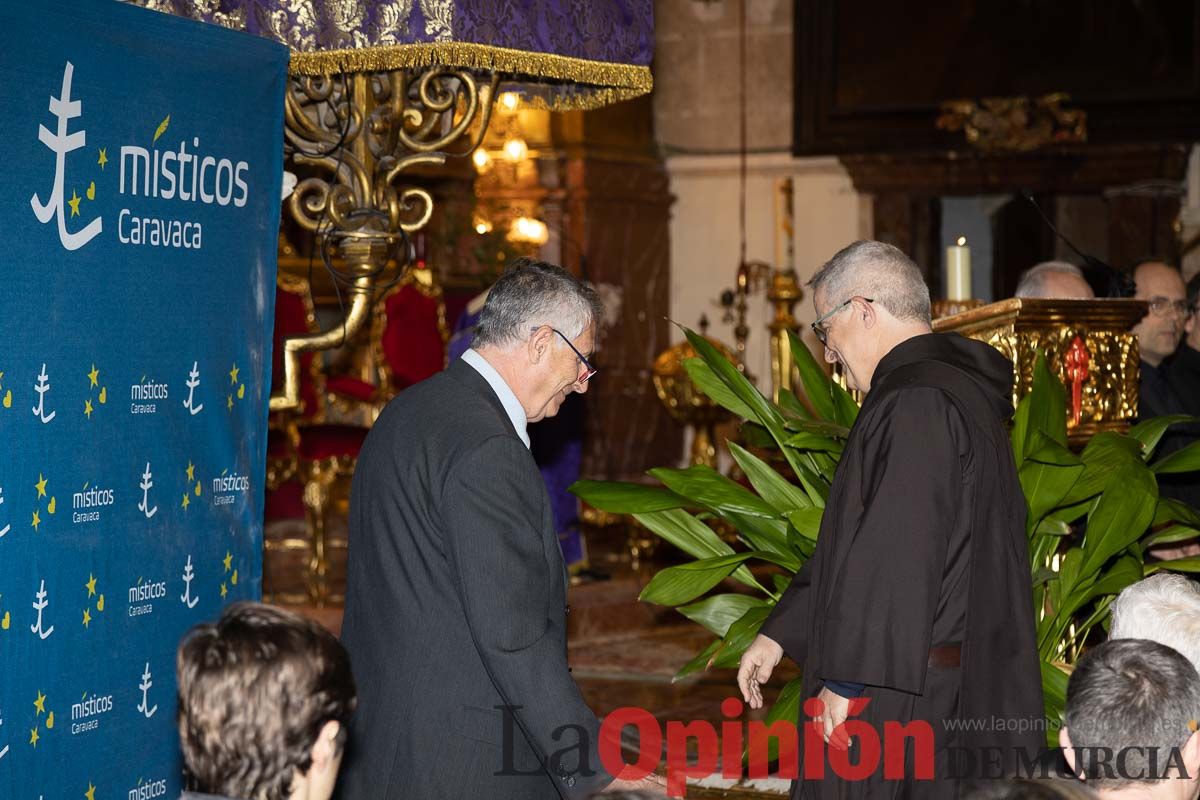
(1130, 724)
(264, 698)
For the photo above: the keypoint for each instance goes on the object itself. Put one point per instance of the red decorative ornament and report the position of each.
(1077, 362)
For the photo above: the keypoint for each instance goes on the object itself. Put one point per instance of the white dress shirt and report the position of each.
(508, 399)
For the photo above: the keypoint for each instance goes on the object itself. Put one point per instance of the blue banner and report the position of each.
(143, 159)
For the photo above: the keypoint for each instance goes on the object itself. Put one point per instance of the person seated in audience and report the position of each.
(1130, 723)
(1158, 335)
(264, 698)
(1054, 280)
(1185, 364)
(1163, 608)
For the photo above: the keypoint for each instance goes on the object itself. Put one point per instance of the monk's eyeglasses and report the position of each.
(819, 327)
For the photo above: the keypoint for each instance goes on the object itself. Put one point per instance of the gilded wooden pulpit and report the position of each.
(1088, 345)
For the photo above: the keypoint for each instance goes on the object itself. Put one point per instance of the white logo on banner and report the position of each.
(145, 687)
(61, 143)
(3, 750)
(192, 382)
(3, 530)
(146, 485)
(41, 387)
(39, 605)
(186, 598)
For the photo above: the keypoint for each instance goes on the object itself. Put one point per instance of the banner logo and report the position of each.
(41, 387)
(142, 594)
(188, 576)
(86, 714)
(142, 396)
(145, 685)
(226, 487)
(64, 109)
(192, 382)
(148, 790)
(146, 485)
(3, 530)
(39, 605)
(87, 503)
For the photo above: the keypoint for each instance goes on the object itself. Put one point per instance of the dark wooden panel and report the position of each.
(870, 74)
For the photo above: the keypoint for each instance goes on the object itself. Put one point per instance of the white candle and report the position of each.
(958, 271)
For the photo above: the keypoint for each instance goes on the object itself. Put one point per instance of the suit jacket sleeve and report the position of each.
(493, 503)
(879, 618)
(788, 623)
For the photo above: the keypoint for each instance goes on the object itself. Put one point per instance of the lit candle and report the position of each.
(958, 271)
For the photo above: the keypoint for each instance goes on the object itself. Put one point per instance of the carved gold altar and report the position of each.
(1088, 345)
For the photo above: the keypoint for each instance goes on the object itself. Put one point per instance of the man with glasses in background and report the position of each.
(456, 589)
(1159, 334)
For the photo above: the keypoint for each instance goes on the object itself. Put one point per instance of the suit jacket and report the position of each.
(456, 610)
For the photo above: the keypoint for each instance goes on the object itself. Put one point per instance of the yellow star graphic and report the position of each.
(41, 485)
(74, 203)
(94, 376)
(229, 403)
(90, 794)
(224, 591)
(191, 472)
(40, 703)
(87, 617)
(87, 408)
(37, 520)
(91, 585)
(233, 373)
(103, 160)
(33, 737)
(186, 501)
(228, 561)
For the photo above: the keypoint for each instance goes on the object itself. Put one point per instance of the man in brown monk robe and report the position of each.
(918, 597)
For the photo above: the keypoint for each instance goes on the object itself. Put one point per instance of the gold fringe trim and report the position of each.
(589, 84)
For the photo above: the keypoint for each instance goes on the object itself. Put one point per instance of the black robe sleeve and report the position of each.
(886, 579)
(788, 623)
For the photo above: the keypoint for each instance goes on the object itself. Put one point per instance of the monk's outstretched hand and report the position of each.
(755, 668)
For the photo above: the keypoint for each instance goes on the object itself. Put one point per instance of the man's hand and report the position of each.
(755, 668)
(836, 709)
(652, 784)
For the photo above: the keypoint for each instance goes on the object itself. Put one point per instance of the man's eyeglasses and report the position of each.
(819, 327)
(1162, 306)
(587, 365)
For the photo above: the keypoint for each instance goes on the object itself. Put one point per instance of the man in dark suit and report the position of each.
(456, 596)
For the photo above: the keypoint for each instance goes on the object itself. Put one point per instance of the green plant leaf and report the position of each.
(1172, 510)
(1054, 689)
(818, 387)
(781, 582)
(807, 521)
(718, 612)
(778, 492)
(762, 410)
(1045, 486)
(1150, 431)
(704, 486)
(1189, 564)
(846, 409)
(676, 585)
(739, 637)
(1126, 571)
(1186, 459)
(1048, 451)
(699, 662)
(627, 498)
(715, 389)
(1105, 453)
(770, 535)
(1170, 535)
(1051, 526)
(787, 709)
(814, 441)
(692, 537)
(819, 427)
(793, 405)
(1043, 409)
(1125, 510)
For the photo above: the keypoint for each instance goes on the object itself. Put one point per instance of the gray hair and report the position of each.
(1032, 282)
(878, 271)
(531, 294)
(1163, 608)
(1130, 697)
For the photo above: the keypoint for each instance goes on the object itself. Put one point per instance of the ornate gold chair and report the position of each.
(407, 345)
(305, 456)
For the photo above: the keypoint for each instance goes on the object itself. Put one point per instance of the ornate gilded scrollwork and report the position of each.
(1015, 123)
(361, 133)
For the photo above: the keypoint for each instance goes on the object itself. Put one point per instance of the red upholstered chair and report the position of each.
(305, 454)
(408, 343)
